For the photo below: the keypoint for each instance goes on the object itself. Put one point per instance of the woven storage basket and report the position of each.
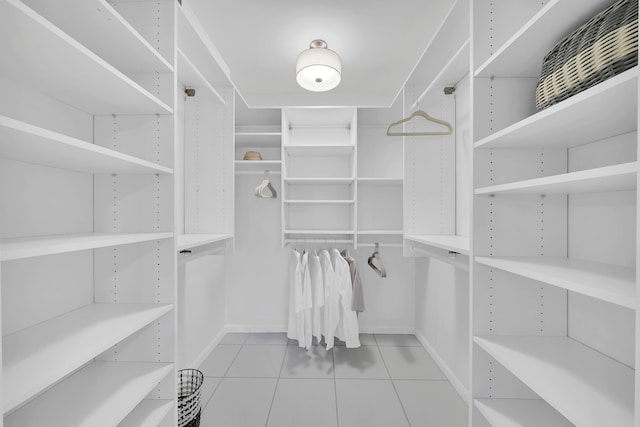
(601, 48)
(189, 385)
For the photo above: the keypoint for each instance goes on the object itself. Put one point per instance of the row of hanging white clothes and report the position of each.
(325, 297)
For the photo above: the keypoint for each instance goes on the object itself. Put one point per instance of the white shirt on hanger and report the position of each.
(347, 326)
(317, 291)
(331, 299)
(298, 279)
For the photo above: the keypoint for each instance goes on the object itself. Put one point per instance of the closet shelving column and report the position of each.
(87, 271)
(204, 141)
(379, 178)
(436, 212)
(319, 175)
(554, 298)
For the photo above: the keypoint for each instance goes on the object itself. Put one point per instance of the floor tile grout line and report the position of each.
(203, 407)
(393, 384)
(275, 390)
(233, 361)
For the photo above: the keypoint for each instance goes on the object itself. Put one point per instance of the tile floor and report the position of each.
(266, 380)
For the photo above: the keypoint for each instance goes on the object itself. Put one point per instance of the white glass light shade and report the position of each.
(318, 68)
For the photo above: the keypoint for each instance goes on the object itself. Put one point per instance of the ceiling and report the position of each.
(380, 42)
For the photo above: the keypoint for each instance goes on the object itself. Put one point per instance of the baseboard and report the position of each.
(208, 349)
(386, 330)
(444, 367)
(256, 328)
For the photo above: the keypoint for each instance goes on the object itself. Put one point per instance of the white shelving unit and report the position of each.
(459, 244)
(190, 241)
(258, 130)
(553, 308)
(149, 413)
(116, 389)
(587, 387)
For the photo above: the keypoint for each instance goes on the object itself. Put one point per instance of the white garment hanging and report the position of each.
(299, 281)
(307, 303)
(347, 326)
(317, 291)
(331, 299)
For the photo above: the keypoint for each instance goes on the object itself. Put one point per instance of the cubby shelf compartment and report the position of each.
(37, 357)
(27, 247)
(569, 123)
(452, 73)
(520, 413)
(149, 413)
(104, 31)
(38, 54)
(312, 150)
(521, 55)
(587, 387)
(381, 232)
(27, 143)
(190, 241)
(605, 282)
(192, 78)
(258, 139)
(319, 231)
(116, 389)
(258, 165)
(321, 180)
(609, 178)
(459, 244)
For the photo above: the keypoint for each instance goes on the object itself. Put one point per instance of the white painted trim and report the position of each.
(256, 328)
(448, 372)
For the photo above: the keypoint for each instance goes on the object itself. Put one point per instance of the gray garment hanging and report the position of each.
(357, 301)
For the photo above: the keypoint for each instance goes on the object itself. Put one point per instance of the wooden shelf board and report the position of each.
(452, 73)
(458, 244)
(380, 180)
(190, 241)
(587, 387)
(571, 122)
(50, 61)
(116, 389)
(520, 413)
(31, 144)
(319, 150)
(37, 357)
(148, 413)
(258, 165)
(606, 282)
(522, 54)
(27, 247)
(192, 78)
(265, 134)
(609, 178)
(103, 31)
(319, 232)
(380, 232)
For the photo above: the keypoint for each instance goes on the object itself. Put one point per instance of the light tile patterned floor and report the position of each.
(265, 380)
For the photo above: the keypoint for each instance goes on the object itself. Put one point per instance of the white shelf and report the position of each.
(115, 388)
(585, 117)
(37, 357)
(103, 31)
(32, 144)
(192, 78)
(258, 139)
(313, 180)
(452, 73)
(319, 232)
(380, 180)
(48, 60)
(319, 202)
(190, 241)
(606, 282)
(314, 150)
(587, 387)
(258, 165)
(149, 413)
(27, 247)
(522, 54)
(609, 178)
(380, 232)
(520, 413)
(457, 244)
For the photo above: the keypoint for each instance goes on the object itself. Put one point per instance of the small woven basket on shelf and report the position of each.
(189, 385)
(603, 47)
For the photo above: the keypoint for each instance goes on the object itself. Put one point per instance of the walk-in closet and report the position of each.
(346, 214)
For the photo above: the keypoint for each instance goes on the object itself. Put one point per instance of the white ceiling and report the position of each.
(379, 41)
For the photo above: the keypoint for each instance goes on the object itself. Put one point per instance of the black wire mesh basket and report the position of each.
(189, 390)
(603, 47)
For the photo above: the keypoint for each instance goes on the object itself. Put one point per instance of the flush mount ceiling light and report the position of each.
(318, 68)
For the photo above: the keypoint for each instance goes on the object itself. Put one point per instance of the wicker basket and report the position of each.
(601, 48)
(189, 385)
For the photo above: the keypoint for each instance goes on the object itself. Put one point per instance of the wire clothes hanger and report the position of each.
(375, 257)
(266, 185)
(420, 113)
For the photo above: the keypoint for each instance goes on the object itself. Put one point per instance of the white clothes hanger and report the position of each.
(420, 113)
(375, 257)
(266, 185)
